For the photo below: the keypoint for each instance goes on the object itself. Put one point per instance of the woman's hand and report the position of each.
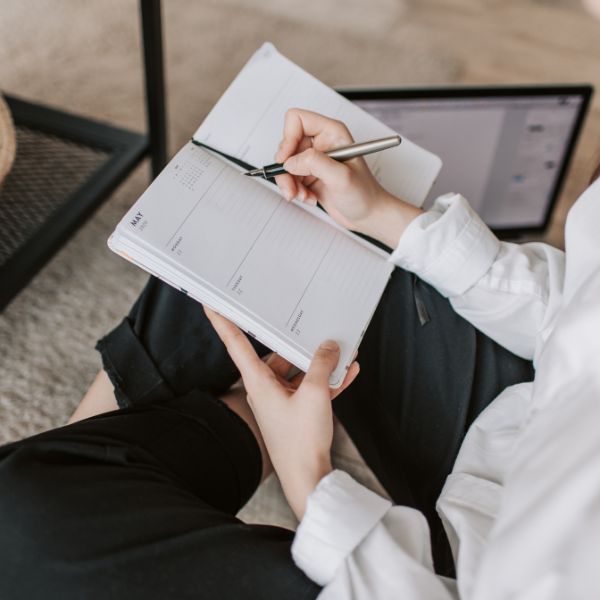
(348, 191)
(294, 415)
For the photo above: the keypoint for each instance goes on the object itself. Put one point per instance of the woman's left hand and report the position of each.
(294, 415)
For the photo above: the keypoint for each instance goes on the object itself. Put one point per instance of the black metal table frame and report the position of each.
(126, 148)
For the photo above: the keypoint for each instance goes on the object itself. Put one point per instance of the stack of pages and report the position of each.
(286, 273)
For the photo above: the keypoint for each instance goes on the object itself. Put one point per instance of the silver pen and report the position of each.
(341, 154)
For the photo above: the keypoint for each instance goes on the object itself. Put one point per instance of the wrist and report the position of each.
(388, 219)
(300, 485)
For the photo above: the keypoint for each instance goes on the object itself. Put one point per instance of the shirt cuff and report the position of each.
(339, 515)
(449, 246)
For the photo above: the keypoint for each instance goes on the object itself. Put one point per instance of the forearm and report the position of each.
(301, 483)
(388, 219)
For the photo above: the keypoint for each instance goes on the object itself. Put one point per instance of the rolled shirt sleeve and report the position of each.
(449, 246)
(510, 292)
(357, 545)
(339, 515)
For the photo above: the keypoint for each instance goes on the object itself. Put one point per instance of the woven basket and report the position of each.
(8, 143)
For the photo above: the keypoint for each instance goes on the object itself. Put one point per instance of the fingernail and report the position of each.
(288, 165)
(330, 345)
(312, 201)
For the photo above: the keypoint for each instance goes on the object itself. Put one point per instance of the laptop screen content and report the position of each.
(504, 154)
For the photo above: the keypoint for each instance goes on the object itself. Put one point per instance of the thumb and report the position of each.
(323, 363)
(315, 163)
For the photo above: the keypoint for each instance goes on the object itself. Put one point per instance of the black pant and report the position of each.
(140, 502)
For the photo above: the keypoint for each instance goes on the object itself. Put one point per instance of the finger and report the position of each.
(293, 138)
(317, 187)
(312, 198)
(308, 180)
(320, 131)
(287, 185)
(304, 144)
(305, 123)
(351, 374)
(322, 365)
(306, 195)
(282, 151)
(293, 187)
(297, 379)
(239, 348)
(318, 164)
(279, 365)
(287, 148)
(303, 193)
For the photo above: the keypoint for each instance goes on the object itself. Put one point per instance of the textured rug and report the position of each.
(85, 57)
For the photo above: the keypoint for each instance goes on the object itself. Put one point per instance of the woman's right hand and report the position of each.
(348, 191)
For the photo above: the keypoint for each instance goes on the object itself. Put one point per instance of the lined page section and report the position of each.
(288, 270)
(247, 122)
(339, 299)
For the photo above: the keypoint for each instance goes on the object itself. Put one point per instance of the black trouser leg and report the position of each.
(166, 347)
(140, 503)
(423, 380)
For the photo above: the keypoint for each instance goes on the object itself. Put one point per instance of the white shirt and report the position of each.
(522, 505)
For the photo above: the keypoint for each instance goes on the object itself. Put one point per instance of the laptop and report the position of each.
(505, 149)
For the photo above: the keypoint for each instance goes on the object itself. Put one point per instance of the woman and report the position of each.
(140, 501)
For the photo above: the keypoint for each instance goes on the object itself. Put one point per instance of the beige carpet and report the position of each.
(85, 57)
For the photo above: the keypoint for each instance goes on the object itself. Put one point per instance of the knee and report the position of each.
(29, 498)
(37, 547)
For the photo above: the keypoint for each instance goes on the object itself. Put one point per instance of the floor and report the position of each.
(523, 41)
(85, 57)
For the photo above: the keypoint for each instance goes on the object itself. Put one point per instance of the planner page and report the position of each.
(247, 122)
(295, 275)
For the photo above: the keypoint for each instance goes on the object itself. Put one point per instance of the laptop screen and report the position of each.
(506, 154)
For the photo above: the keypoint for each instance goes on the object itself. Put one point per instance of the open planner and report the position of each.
(285, 273)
